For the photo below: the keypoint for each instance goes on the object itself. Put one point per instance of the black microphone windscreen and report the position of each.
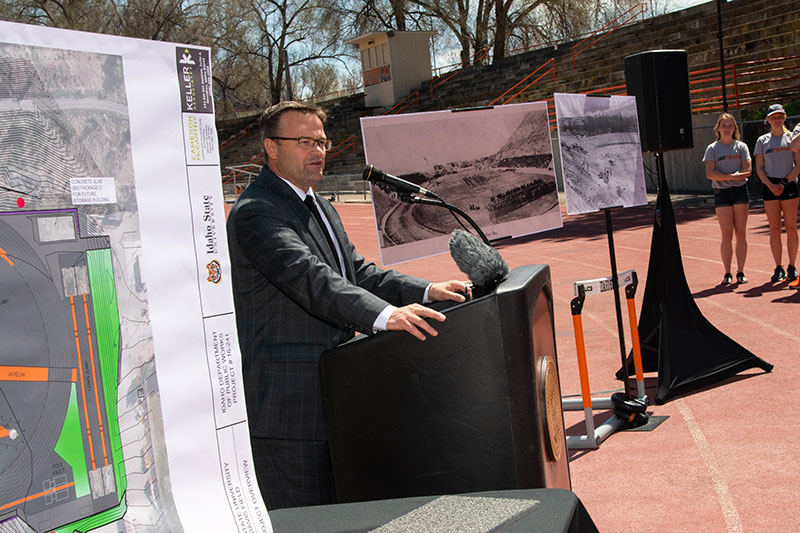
(483, 265)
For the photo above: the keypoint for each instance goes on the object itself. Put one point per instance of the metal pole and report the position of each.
(721, 56)
(615, 286)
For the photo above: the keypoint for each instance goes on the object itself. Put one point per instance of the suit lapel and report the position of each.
(338, 235)
(316, 232)
(301, 211)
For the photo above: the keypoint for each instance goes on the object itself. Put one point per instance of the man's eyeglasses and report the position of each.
(308, 143)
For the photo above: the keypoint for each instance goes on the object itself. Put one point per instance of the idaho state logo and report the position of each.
(214, 271)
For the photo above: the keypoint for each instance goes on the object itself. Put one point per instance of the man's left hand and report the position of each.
(448, 290)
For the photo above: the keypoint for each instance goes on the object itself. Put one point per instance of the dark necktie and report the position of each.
(309, 201)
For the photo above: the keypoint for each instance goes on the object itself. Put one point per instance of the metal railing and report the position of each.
(630, 14)
(238, 174)
(256, 160)
(244, 132)
(480, 55)
(403, 104)
(551, 62)
(342, 147)
(746, 83)
(344, 190)
(333, 95)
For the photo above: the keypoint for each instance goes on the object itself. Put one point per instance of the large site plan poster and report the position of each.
(121, 402)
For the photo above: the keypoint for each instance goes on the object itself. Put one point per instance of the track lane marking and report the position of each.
(729, 512)
(83, 386)
(38, 495)
(94, 379)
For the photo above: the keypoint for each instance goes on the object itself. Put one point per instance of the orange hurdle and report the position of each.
(594, 436)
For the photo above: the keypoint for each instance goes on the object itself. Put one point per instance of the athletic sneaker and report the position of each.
(741, 278)
(795, 284)
(791, 273)
(778, 275)
(727, 280)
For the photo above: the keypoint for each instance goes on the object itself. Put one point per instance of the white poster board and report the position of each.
(494, 164)
(601, 155)
(122, 404)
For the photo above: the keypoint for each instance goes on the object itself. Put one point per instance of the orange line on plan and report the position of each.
(4, 256)
(4, 432)
(23, 373)
(83, 387)
(39, 495)
(94, 379)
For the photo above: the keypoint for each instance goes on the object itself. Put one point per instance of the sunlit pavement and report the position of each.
(725, 459)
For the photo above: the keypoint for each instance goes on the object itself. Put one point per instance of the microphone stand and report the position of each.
(406, 197)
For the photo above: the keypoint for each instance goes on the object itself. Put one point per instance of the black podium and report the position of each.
(477, 408)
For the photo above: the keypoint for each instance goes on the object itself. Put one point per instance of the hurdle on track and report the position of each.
(594, 436)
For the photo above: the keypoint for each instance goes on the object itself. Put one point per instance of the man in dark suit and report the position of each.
(300, 288)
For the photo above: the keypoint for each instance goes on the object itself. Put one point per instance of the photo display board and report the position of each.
(495, 164)
(121, 400)
(601, 155)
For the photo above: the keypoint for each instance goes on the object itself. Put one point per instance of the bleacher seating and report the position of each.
(753, 30)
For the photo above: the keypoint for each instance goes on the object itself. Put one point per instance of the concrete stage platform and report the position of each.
(725, 459)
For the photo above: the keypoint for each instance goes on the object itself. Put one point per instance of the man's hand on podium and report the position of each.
(411, 318)
(449, 290)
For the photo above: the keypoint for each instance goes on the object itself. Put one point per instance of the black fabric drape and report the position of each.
(676, 339)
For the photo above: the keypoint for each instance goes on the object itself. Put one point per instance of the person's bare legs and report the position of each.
(789, 208)
(725, 218)
(773, 210)
(740, 212)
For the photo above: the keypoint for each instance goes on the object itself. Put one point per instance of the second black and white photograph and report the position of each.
(601, 156)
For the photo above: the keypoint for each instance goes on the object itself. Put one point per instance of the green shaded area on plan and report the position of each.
(106, 323)
(70, 445)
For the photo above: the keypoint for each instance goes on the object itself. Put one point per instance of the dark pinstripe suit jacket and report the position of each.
(292, 304)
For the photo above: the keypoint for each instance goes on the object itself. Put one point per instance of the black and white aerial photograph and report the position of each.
(601, 156)
(494, 164)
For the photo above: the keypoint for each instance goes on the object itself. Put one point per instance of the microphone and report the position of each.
(376, 175)
(483, 265)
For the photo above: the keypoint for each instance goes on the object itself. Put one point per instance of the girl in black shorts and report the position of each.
(778, 166)
(728, 166)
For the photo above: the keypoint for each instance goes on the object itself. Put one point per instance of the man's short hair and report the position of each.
(271, 116)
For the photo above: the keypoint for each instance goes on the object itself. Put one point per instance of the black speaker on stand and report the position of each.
(659, 79)
(676, 339)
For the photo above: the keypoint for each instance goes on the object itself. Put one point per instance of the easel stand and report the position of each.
(620, 405)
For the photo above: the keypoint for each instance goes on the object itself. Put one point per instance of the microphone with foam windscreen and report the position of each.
(376, 175)
(483, 265)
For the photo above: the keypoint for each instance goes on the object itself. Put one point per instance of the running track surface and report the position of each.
(726, 458)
